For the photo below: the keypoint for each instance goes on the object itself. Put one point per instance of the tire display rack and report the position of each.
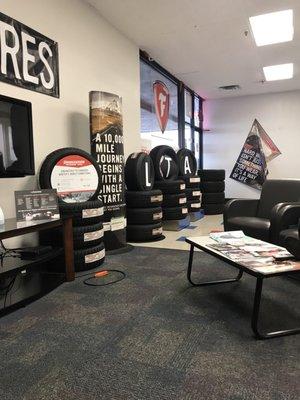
(167, 168)
(89, 250)
(212, 186)
(175, 211)
(187, 164)
(76, 177)
(144, 212)
(194, 197)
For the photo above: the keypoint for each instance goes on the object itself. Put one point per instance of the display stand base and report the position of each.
(176, 225)
(195, 216)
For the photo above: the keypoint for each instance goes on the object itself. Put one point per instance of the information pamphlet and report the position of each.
(35, 206)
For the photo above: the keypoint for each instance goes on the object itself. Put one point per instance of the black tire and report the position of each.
(170, 187)
(174, 213)
(83, 236)
(213, 198)
(88, 236)
(92, 257)
(213, 209)
(148, 198)
(88, 213)
(142, 216)
(144, 233)
(139, 172)
(174, 200)
(212, 187)
(211, 175)
(191, 182)
(192, 194)
(164, 171)
(49, 169)
(194, 206)
(187, 159)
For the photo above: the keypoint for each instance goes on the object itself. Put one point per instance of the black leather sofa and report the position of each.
(271, 218)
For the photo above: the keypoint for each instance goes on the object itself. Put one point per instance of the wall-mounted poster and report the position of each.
(251, 166)
(162, 103)
(106, 124)
(28, 58)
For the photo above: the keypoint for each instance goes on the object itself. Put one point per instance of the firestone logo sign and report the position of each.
(162, 103)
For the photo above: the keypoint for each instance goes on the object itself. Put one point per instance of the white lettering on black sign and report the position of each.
(109, 155)
(28, 58)
(250, 167)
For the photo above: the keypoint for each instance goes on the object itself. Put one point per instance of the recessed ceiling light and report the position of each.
(277, 72)
(275, 27)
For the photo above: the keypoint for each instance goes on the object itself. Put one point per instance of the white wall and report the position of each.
(230, 120)
(92, 56)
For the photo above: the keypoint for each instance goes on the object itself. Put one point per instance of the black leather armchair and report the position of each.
(286, 223)
(291, 240)
(277, 210)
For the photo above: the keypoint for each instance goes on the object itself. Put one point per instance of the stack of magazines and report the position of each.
(253, 253)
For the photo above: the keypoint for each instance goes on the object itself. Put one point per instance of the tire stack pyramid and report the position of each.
(212, 186)
(174, 206)
(187, 164)
(76, 177)
(144, 213)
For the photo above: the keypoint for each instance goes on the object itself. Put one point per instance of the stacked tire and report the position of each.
(56, 172)
(212, 185)
(187, 164)
(174, 205)
(144, 213)
(165, 162)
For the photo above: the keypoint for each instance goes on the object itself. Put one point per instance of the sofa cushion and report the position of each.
(251, 226)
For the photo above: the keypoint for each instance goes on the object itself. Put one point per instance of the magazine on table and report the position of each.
(236, 238)
(255, 254)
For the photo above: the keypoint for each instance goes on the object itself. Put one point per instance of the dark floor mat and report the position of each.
(152, 337)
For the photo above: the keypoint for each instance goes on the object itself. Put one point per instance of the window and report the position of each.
(193, 124)
(182, 127)
(151, 132)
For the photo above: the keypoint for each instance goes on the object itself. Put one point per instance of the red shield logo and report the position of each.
(162, 103)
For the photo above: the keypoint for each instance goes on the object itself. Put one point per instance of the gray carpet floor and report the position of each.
(152, 337)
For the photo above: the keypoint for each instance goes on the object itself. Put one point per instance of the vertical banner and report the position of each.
(106, 127)
(251, 166)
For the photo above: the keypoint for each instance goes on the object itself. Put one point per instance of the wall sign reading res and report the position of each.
(28, 58)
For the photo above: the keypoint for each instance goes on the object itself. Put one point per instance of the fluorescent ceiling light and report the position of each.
(277, 72)
(276, 27)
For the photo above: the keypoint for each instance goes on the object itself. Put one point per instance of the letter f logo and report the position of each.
(161, 103)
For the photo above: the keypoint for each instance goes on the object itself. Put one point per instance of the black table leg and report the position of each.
(189, 274)
(255, 317)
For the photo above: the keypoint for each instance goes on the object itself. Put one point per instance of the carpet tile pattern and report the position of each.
(152, 337)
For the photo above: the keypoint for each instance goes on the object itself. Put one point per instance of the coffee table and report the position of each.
(203, 243)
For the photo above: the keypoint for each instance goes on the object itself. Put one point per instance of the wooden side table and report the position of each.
(12, 228)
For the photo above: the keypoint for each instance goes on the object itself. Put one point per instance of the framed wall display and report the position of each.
(28, 58)
(34, 206)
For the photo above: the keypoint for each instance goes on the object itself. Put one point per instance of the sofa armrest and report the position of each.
(240, 208)
(283, 216)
